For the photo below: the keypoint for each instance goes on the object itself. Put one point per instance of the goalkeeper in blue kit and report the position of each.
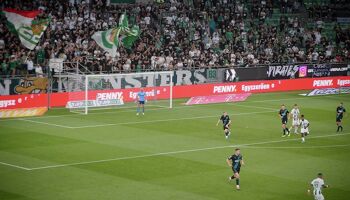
(141, 97)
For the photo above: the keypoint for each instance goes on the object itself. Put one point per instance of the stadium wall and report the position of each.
(63, 83)
(180, 91)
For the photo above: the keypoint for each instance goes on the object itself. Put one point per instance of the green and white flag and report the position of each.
(107, 40)
(111, 39)
(23, 24)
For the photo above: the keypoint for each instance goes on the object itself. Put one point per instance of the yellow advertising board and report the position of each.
(22, 112)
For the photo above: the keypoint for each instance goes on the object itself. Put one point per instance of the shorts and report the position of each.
(236, 170)
(304, 132)
(296, 122)
(224, 127)
(338, 119)
(142, 102)
(319, 197)
(284, 120)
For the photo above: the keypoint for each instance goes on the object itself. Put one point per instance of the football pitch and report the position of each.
(176, 153)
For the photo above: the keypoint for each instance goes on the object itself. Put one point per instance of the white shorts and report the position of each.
(296, 122)
(319, 197)
(304, 130)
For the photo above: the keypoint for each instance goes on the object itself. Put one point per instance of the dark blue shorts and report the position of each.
(224, 127)
(338, 119)
(236, 170)
(142, 102)
(284, 120)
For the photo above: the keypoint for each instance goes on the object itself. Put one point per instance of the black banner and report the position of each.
(245, 74)
(282, 71)
(285, 72)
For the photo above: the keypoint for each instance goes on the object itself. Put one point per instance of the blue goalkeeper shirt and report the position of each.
(142, 96)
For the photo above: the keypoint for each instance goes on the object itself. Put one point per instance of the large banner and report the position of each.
(179, 91)
(285, 72)
(29, 85)
(36, 85)
(119, 81)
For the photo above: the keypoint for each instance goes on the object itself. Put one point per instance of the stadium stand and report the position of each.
(181, 34)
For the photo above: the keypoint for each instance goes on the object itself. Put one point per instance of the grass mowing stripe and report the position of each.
(165, 120)
(178, 152)
(258, 107)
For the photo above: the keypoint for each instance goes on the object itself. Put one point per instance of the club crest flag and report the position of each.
(23, 24)
(123, 35)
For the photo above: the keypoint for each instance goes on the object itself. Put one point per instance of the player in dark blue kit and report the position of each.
(235, 161)
(339, 117)
(284, 115)
(226, 122)
(141, 96)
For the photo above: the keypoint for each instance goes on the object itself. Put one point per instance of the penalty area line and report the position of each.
(45, 123)
(178, 152)
(15, 166)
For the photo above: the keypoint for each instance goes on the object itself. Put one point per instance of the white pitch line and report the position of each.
(45, 123)
(117, 111)
(300, 147)
(177, 152)
(15, 166)
(164, 120)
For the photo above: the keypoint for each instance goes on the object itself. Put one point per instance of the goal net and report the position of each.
(110, 91)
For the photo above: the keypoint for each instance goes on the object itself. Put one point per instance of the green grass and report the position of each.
(57, 154)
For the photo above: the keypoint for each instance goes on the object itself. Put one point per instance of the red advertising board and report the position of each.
(60, 99)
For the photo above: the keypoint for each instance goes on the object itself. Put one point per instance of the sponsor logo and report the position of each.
(7, 103)
(94, 103)
(217, 98)
(22, 112)
(338, 69)
(152, 93)
(302, 71)
(224, 89)
(344, 82)
(320, 83)
(262, 86)
(109, 95)
(329, 91)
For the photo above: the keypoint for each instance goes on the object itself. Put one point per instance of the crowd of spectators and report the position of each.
(177, 34)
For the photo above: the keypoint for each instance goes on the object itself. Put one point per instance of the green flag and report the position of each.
(23, 24)
(122, 35)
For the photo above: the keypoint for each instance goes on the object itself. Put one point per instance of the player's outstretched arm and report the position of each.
(228, 162)
(242, 162)
(218, 122)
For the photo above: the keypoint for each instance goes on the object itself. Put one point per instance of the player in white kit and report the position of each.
(304, 131)
(317, 184)
(296, 121)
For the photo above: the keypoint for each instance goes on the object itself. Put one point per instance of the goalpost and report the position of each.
(110, 91)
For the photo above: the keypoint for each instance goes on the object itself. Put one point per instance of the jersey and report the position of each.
(317, 184)
(142, 96)
(295, 113)
(284, 115)
(340, 111)
(236, 162)
(225, 119)
(304, 126)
